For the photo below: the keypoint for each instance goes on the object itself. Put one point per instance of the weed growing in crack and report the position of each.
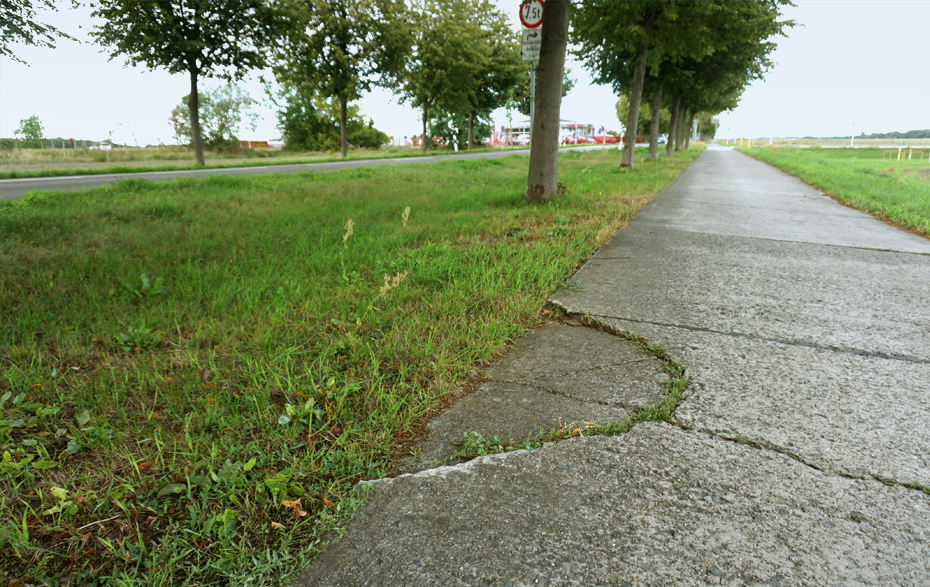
(474, 445)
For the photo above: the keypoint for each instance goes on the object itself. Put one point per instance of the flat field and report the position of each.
(194, 374)
(871, 180)
(58, 162)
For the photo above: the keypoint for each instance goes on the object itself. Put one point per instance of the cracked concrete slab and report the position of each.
(655, 506)
(843, 412)
(801, 322)
(556, 375)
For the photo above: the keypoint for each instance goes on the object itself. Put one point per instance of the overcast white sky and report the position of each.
(855, 66)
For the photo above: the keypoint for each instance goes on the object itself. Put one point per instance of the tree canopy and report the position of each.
(340, 48)
(209, 38)
(699, 55)
(18, 24)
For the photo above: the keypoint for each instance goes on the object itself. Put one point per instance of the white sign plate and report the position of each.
(530, 51)
(532, 36)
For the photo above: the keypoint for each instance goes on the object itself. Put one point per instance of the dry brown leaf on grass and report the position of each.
(295, 507)
(327, 502)
(277, 526)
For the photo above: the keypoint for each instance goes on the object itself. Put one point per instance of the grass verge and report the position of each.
(871, 180)
(193, 374)
(58, 163)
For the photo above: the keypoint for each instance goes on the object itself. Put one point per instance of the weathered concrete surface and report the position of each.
(655, 506)
(805, 329)
(554, 376)
(803, 323)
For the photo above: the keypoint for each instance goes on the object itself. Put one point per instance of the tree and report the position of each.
(312, 123)
(340, 48)
(459, 129)
(204, 38)
(18, 25)
(542, 178)
(492, 76)
(682, 46)
(31, 130)
(223, 111)
(464, 60)
(645, 114)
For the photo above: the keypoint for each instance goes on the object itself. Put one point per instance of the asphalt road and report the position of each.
(797, 456)
(14, 188)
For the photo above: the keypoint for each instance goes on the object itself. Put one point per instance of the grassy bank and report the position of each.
(195, 373)
(871, 180)
(25, 163)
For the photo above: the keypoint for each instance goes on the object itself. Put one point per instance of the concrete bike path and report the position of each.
(797, 454)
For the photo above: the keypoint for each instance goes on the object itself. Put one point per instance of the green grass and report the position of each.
(194, 374)
(26, 163)
(871, 180)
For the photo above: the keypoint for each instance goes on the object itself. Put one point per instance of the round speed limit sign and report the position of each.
(531, 13)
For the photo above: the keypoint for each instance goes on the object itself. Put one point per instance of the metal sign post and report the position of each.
(531, 17)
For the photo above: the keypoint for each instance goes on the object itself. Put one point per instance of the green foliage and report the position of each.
(465, 59)
(453, 128)
(308, 122)
(911, 134)
(31, 130)
(340, 48)
(18, 25)
(521, 95)
(702, 53)
(645, 115)
(222, 113)
(212, 38)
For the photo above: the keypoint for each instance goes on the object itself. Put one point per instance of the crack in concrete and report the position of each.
(797, 242)
(766, 445)
(786, 341)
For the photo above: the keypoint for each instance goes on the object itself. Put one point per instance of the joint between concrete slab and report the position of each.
(785, 341)
(769, 446)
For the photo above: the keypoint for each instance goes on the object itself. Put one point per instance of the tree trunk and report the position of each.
(425, 120)
(343, 133)
(542, 182)
(654, 131)
(673, 126)
(680, 128)
(193, 104)
(471, 129)
(636, 96)
(689, 123)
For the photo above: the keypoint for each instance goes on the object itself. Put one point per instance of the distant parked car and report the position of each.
(662, 139)
(104, 146)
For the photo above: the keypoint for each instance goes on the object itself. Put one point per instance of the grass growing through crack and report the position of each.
(475, 445)
(871, 180)
(193, 374)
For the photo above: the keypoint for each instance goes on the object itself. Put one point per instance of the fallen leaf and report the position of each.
(146, 465)
(328, 503)
(295, 507)
(277, 526)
